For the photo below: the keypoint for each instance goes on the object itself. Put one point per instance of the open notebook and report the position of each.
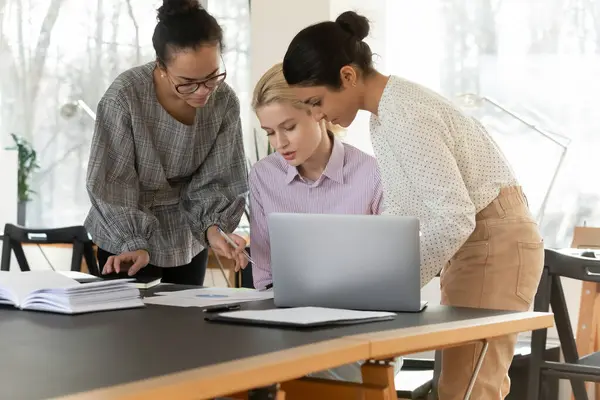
(54, 292)
(140, 282)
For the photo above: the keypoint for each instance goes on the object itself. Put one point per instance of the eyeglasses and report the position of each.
(192, 87)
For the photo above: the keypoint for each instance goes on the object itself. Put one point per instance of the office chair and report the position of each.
(550, 293)
(15, 236)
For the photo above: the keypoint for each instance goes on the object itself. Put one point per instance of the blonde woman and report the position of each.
(311, 172)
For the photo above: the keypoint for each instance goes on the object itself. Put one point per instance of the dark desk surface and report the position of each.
(46, 355)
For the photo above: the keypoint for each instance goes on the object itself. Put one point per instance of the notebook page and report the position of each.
(21, 283)
(86, 308)
(79, 276)
(117, 284)
(305, 315)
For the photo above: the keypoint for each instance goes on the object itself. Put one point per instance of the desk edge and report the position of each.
(450, 334)
(238, 375)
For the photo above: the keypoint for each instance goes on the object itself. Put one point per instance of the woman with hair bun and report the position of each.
(167, 168)
(442, 166)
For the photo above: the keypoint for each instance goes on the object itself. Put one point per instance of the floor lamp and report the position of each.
(68, 110)
(471, 100)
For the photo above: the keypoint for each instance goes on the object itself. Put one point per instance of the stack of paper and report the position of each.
(54, 292)
(207, 297)
(139, 281)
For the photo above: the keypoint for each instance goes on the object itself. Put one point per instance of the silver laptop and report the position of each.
(360, 262)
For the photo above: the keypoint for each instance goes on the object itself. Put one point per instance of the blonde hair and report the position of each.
(273, 88)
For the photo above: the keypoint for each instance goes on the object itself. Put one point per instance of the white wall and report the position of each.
(272, 29)
(357, 134)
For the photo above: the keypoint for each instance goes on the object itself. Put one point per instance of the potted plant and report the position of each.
(27, 166)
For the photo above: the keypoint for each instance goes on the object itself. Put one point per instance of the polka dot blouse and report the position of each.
(437, 164)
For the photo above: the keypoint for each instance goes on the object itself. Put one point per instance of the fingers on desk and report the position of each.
(108, 267)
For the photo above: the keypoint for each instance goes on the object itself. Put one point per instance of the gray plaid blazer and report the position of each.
(157, 184)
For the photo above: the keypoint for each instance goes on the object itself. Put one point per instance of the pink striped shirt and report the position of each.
(350, 184)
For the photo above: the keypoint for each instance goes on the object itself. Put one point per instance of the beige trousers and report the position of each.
(499, 267)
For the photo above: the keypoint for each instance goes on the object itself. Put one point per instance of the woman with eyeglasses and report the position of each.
(167, 172)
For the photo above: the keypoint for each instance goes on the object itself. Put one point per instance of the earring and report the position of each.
(162, 75)
(353, 84)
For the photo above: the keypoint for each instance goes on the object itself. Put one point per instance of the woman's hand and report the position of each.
(131, 261)
(222, 248)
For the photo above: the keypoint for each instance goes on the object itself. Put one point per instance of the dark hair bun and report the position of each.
(177, 8)
(354, 24)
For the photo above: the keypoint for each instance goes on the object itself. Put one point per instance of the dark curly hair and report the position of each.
(183, 24)
(318, 52)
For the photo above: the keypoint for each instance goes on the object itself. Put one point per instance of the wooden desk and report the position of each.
(170, 352)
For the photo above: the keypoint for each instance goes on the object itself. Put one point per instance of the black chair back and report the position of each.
(578, 369)
(15, 236)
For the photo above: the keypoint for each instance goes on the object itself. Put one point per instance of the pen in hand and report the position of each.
(234, 244)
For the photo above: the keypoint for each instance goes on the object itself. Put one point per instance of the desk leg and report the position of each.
(325, 389)
(380, 373)
(378, 384)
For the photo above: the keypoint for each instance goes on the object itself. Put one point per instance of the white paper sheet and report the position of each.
(178, 301)
(215, 293)
(306, 315)
(207, 297)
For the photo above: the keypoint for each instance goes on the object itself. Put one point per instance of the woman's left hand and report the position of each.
(223, 248)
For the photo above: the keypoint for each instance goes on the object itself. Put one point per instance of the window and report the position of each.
(58, 53)
(539, 60)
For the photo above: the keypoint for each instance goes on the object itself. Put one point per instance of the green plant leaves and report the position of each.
(27, 165)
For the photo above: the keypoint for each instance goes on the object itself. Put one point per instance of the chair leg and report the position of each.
(91, 259)
(538, 338)
(565, 334)
(6, 248)
(77, 256)
(20, 255)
